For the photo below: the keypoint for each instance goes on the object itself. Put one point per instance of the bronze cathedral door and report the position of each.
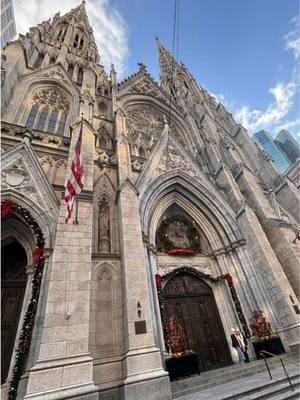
(13, 284)
(192, 302)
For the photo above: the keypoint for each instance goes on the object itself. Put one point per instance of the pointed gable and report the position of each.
(23, 175)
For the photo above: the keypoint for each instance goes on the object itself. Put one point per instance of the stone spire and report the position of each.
(168, 65)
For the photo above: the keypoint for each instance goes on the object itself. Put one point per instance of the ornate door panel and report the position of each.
(193, 304)
(11, 304)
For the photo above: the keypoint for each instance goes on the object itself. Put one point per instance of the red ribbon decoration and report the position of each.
(37, 255)
(158, 280)
(6, 208)
(179, 251)
(228, 278)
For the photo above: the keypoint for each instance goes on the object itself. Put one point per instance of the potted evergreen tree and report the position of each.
(264, 338)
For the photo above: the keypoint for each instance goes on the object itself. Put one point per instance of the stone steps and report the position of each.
(278, 389)
(218, 376)
(246, 382)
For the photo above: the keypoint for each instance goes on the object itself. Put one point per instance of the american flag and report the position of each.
(75, 180)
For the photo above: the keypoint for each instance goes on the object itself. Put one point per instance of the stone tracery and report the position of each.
(51, 97)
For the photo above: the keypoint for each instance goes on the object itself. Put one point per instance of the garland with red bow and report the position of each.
(27, 328)
(228, 277)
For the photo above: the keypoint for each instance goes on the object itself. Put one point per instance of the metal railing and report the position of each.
(262, 353)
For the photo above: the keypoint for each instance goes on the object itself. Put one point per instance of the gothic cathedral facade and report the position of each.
(182, 216)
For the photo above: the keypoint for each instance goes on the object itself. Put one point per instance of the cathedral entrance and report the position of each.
(192, 303)
(13, 286)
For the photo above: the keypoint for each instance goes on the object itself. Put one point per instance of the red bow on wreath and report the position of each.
(158, 280)
(228, 278)
(6, 207)
(37, 255)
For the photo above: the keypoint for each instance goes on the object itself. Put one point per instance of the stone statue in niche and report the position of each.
(104, 229)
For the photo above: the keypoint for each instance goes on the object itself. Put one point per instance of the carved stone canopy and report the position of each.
(52, 98)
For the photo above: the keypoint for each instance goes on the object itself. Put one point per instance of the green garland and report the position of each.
(28, 323)
(193, 234)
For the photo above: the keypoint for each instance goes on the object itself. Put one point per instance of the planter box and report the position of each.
(185, 365)
(273, 345)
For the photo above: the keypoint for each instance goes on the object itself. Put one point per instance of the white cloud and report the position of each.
(221, 98)
(283, 100)
(109, 27)
(274, 117)
(292, 39)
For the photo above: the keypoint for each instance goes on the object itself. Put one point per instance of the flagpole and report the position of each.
(76, 197)
(76, 210)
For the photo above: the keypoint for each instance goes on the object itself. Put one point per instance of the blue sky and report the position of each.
(246, 52)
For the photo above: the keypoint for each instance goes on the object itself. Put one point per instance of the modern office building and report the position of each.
(265, 140)
(288, 145)
(8, 25)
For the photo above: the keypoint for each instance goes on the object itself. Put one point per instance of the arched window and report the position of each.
(70, 70)
(32, 116)
(52, 122)
(62, 124)
(80, 77)
(76, 41)
(42, 119)
(81, 43)
(39, 60)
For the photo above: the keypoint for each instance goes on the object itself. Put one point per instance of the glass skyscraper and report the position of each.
(288, 145)
(8, 25)
(265, 140)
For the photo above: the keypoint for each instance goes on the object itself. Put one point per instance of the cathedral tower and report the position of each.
(179, 207)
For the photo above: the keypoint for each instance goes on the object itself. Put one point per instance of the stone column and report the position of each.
(144, 375)
(64, 368)
(152, 270)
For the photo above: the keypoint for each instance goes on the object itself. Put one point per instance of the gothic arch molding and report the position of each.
(45, 221)
(104, 240)
(52, 77)
(130, 100)
(103, 267)
(16, 229)
(186, 270)
(211, 214)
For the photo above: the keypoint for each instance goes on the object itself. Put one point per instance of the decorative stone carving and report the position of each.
(104, 159)
(17, 178)
(136, 165)
(52, 140)
(51, 98)
(146, 86)
(104, 225)
(144, 120)
(206, 269)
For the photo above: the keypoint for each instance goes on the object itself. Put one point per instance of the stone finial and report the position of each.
(142, 67)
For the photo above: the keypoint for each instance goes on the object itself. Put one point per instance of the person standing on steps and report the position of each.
(244, 342)
(238, 344)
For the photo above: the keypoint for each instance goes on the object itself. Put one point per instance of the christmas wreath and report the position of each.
(166, 245)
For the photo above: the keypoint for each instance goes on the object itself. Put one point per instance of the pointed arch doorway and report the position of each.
(13, 285)
(192, 302)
